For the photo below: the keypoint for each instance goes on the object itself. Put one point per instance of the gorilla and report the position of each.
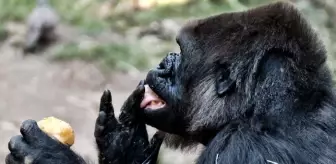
(251, 86)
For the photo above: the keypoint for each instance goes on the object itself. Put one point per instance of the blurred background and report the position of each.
(105, 44)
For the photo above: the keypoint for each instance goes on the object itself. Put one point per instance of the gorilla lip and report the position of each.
(151, 100)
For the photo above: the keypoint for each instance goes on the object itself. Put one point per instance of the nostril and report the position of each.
(167, 65)
(162, 65)
(172, 54)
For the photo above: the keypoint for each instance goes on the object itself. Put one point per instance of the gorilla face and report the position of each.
(195, 91)
(185, 90)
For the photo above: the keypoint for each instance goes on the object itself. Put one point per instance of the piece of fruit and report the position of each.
(58, 129)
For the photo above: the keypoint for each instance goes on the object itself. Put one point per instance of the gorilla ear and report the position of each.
(224, 83)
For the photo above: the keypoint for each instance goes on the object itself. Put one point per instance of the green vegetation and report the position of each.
(83, 15)
(75, 13)
(120, 57)
(15, 10)
(3, 33)
(195, 9)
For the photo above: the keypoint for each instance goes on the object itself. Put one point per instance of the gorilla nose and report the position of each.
(173, 54)
(166, 65)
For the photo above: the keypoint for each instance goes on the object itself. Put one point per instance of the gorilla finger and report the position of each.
(98, 131)
(106, 113)
(138, 92)
(133, 101)
(106, 103)
(101, 120)
(123, 117)
(157, 138)
(126, 118)
(131, 106)
(31, 132)
(100, 124)
(141, 83)
(104, 123)
(156, 141)
(154, 148)
(10, 159)
(14, 142)
(18, 147)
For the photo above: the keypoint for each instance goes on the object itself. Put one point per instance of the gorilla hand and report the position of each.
(127, 141)
(35, 146)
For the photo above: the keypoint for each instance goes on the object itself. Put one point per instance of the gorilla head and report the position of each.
(262, 69)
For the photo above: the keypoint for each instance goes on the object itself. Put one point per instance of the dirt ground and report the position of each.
(32, 87)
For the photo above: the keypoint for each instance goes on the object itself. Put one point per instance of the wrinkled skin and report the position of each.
(124, 142)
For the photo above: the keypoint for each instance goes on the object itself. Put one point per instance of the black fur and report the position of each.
(251, 86)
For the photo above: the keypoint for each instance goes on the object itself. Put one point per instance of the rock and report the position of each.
(41, 27)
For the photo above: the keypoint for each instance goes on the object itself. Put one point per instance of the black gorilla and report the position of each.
(252, 86)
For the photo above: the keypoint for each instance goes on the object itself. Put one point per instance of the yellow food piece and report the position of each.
(58, 129)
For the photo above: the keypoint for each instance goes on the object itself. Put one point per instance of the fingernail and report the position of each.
(27, 126)
(107, 95)
(142, 82)
(106, 91)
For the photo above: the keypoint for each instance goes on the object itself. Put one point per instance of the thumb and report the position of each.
(132, 104)
(31, 132)
(131, 108)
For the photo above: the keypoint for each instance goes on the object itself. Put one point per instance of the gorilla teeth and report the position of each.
(151, 100)
(156, 102)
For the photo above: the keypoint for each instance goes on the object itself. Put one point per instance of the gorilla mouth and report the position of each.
(151, 100)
